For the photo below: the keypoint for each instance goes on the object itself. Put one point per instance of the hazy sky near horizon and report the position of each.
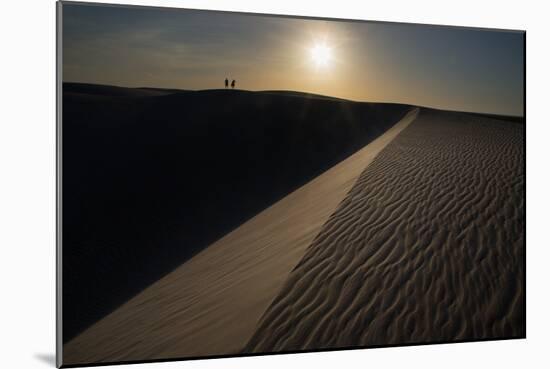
(443, 67)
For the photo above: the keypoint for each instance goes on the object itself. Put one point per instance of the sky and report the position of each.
(450, 68)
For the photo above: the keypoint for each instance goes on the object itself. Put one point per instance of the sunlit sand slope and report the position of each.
(428, 246)
(211, 304)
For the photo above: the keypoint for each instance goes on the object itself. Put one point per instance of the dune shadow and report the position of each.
(151, 177)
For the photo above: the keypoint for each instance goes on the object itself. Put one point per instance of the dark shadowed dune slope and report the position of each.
(148, 181)
(428, 246)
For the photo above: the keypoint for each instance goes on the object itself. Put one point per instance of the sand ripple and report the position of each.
(427, 246)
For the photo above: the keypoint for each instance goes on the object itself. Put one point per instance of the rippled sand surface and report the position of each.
(428, 246)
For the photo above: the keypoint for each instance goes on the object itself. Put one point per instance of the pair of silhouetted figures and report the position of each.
(227, 83)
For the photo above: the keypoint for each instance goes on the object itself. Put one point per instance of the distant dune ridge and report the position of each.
(428, 246)
(329, 224)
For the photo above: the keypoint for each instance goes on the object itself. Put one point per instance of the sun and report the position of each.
(321, 55)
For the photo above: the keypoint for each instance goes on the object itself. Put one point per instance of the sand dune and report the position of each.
(417, 237)
(152, 177)
(428, 246)
(212, 303)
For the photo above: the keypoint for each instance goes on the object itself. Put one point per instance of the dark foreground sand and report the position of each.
(428, 246)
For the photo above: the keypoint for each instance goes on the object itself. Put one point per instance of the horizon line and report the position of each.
(305, 92)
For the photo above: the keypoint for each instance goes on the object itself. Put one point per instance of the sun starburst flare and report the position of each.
(321, 54)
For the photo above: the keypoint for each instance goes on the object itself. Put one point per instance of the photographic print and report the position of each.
(239, 184)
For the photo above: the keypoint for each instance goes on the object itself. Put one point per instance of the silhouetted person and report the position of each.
(226, 83)
(233, 84)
